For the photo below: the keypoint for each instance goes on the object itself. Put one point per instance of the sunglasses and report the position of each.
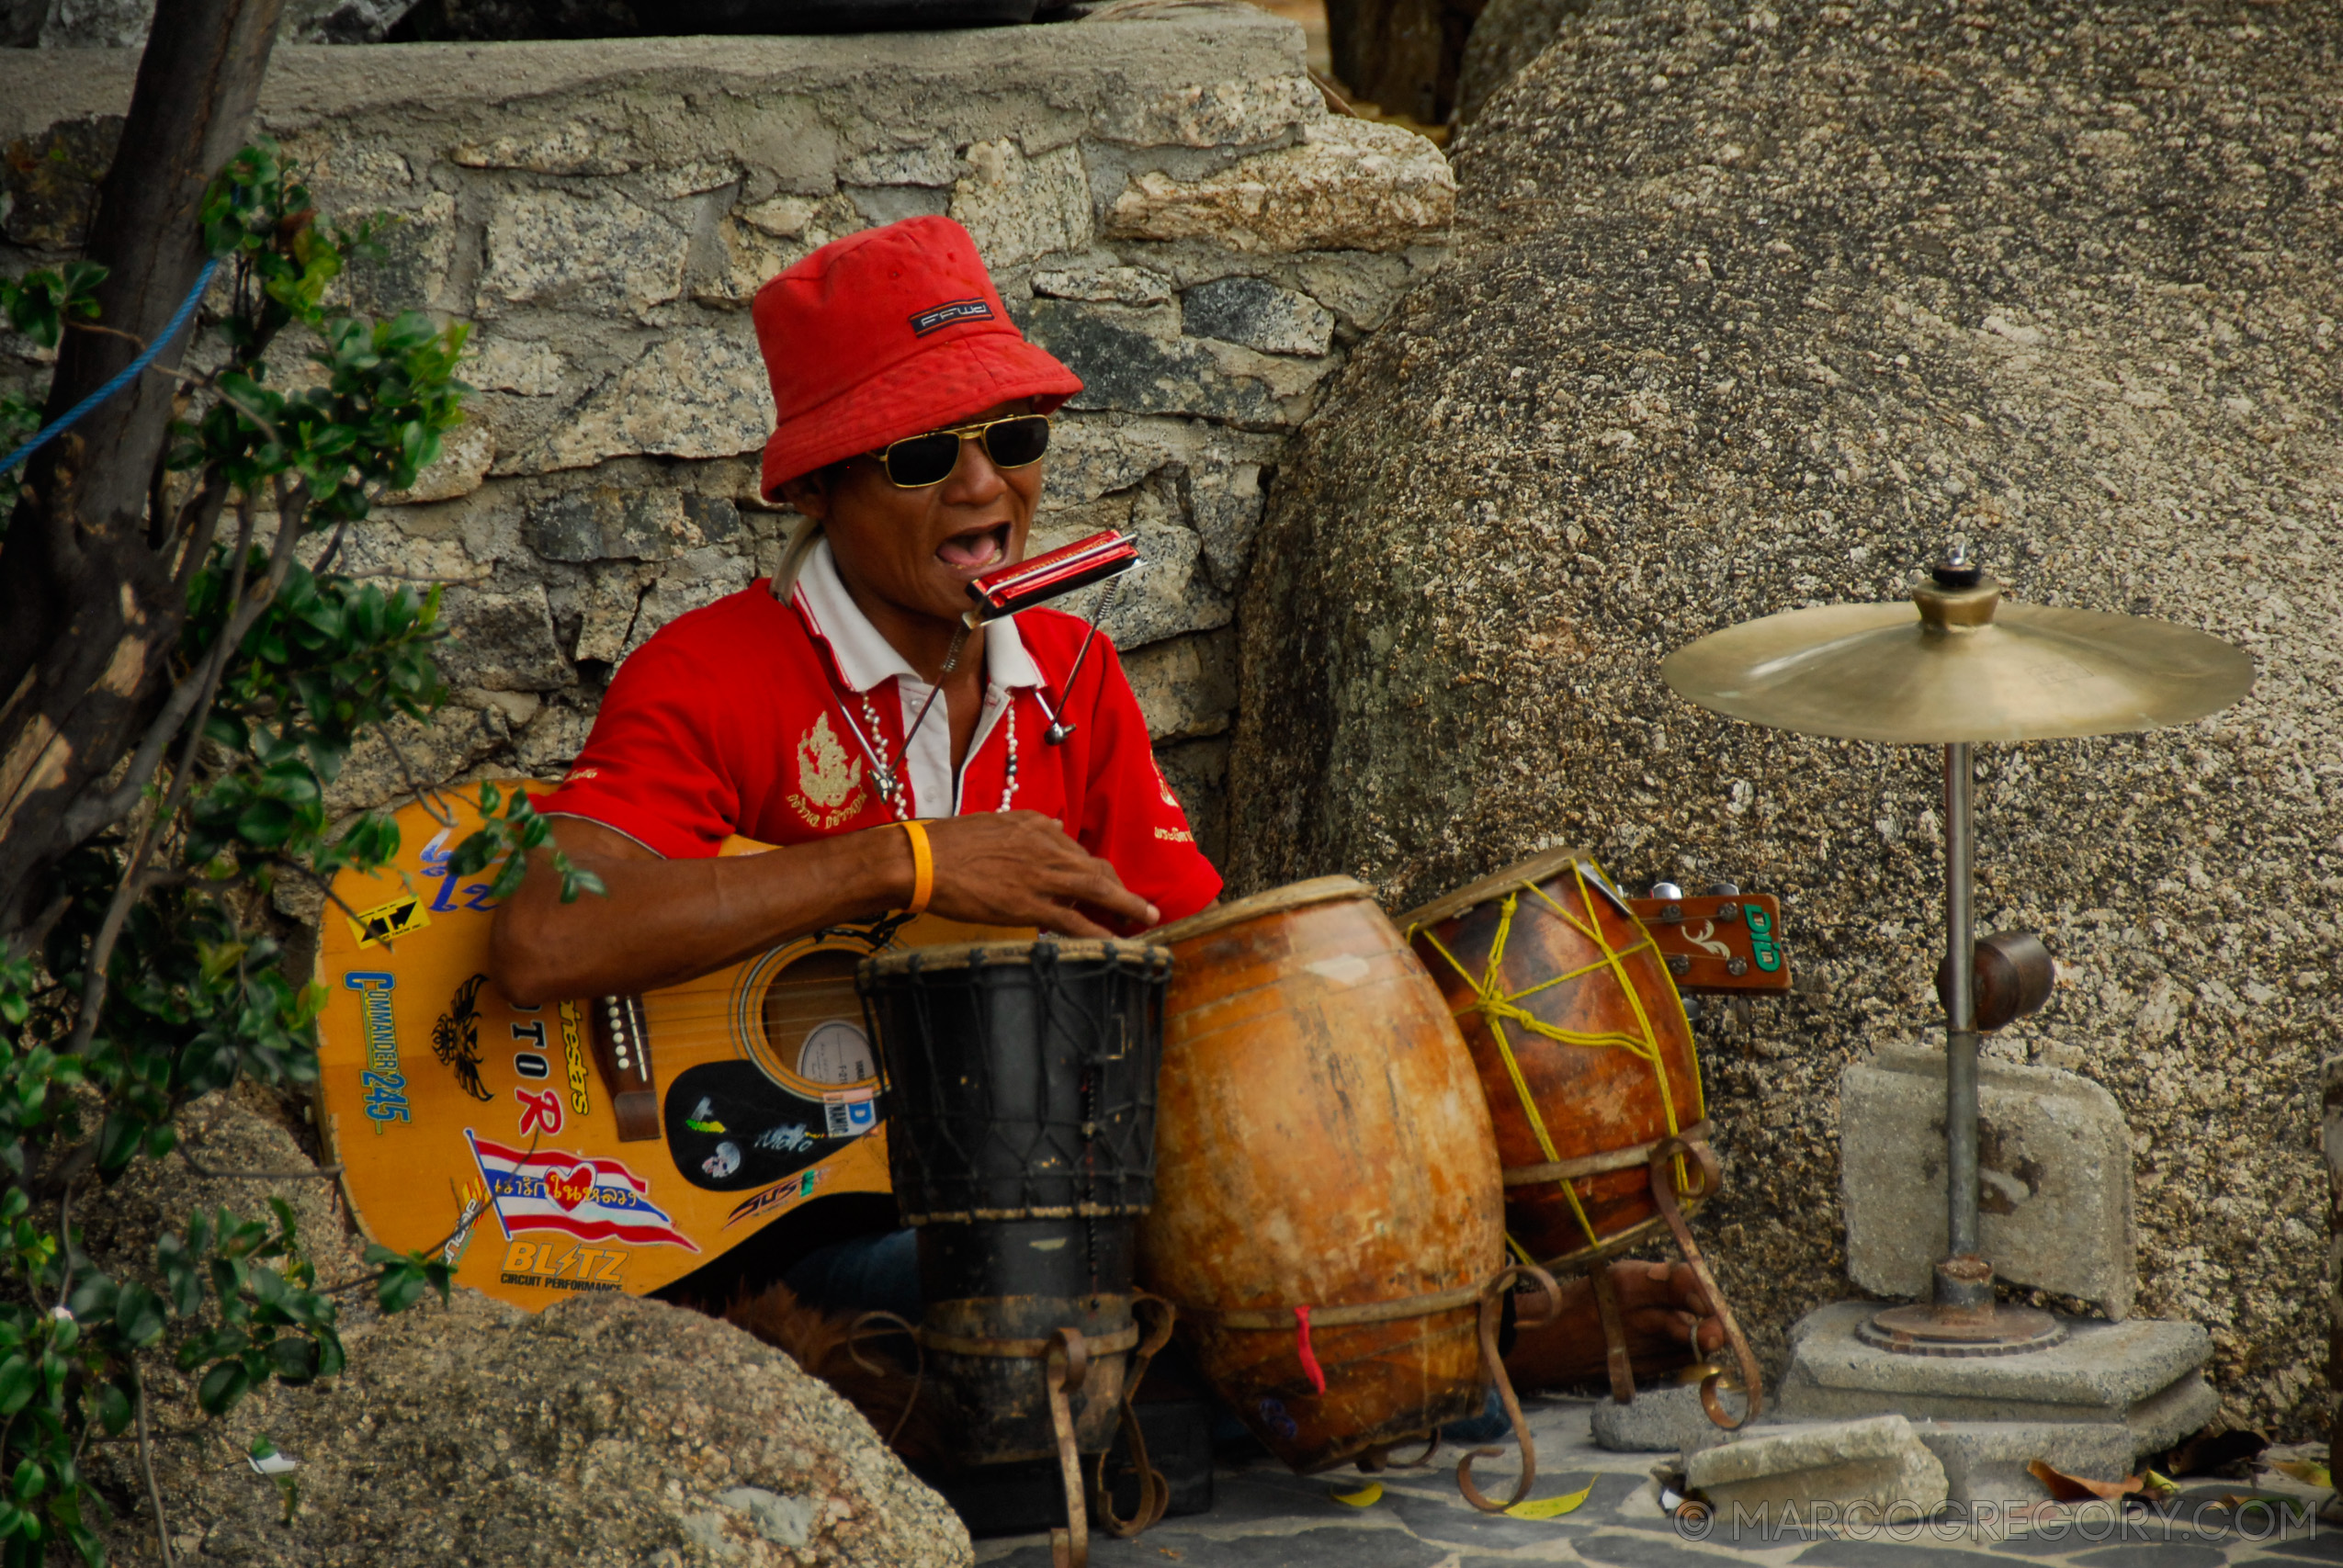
(918, 461)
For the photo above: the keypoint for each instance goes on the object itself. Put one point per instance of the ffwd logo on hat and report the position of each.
(935, 318)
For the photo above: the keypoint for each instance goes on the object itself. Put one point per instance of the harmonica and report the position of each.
(1009, 589)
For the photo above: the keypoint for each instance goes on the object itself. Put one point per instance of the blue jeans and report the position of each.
(867, 1273)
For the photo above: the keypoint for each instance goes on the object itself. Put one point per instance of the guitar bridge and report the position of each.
(622, 1056)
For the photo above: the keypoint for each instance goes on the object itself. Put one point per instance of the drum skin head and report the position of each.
(1317, 890)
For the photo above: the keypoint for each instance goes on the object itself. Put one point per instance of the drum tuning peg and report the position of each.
(1693, 1011)
(1665, 890)
(1724, 889)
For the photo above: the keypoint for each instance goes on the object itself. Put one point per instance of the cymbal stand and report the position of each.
(1963, 1319)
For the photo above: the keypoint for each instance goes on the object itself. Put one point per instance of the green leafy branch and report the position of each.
(153, 977)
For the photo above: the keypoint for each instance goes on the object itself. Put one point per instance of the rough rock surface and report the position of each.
(225, 1136)
(1753, 307)
(1507, 37)
(606, 1431)
(636, 1433)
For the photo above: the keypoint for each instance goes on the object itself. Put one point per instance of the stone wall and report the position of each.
(1159, 192)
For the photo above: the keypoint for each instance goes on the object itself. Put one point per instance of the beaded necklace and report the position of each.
(890, 788)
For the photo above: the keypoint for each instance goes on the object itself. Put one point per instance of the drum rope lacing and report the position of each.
(1057, 1143)
(1494, 1003)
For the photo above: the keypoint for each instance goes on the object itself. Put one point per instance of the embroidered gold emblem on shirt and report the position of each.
(829, 776)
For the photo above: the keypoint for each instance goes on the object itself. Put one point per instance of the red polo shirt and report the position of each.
(737, 719)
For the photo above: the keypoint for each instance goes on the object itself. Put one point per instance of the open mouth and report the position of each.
(976, 549)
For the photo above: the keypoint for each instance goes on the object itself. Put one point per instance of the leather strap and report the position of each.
(1663, 1191)
(1381, 1456)
(1597, 1165)
(1614, 1335)
(1065, 1363)
(1155, 1492)
(1027, 1349)
(1492, 1312)
(1280, 1318)
(889, 1324)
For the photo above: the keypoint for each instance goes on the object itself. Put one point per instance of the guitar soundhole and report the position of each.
(813, 1021)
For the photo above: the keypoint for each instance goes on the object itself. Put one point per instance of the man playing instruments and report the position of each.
(839, 710)
(912, 419)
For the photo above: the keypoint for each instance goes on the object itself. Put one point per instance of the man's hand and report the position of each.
(1019, 868)
(1661, 1307)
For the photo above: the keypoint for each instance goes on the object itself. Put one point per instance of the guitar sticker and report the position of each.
(386, 1085)
(455, 1039)
(590, 1198)
(730, 1128)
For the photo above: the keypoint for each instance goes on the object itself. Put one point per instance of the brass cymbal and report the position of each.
(1962, 667)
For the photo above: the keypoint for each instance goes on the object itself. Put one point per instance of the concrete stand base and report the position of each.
(1986, 1462)
(2144, 1373)
(2093, 1406)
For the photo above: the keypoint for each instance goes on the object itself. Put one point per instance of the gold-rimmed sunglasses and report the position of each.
(1016, 441)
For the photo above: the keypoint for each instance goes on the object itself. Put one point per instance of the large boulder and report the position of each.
(1507, 37)
(607, 1432)
(1755, 306)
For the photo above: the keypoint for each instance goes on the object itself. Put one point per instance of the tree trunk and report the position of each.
(87, 611)
(1401, 55)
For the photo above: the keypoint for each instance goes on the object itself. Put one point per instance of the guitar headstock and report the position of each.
(1728, 944)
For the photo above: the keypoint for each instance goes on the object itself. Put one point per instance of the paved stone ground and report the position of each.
(1263, 1516)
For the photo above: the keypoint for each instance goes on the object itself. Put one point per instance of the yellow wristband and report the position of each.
(922, 867)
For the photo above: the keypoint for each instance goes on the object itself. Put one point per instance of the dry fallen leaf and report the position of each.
(2304, 1471)
(2068, 1488)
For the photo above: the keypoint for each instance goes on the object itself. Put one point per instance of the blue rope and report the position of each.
(131, 373)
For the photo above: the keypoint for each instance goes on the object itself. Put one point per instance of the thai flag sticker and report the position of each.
(580, 1195)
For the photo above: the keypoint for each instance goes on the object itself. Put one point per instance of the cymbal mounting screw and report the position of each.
(1957, 570)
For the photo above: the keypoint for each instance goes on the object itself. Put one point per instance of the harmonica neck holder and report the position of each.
(1058, 728)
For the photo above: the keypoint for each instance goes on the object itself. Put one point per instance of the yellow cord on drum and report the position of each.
(1499, 1007)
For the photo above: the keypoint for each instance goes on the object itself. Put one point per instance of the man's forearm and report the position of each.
(664, 921)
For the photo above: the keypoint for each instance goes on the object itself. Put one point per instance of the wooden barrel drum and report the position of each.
(1324, 1150)
(1580, 1042)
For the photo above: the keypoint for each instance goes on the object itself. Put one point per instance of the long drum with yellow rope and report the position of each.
(1582, 1047)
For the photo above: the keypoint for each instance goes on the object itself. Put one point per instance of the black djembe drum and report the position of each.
(1019, 1085)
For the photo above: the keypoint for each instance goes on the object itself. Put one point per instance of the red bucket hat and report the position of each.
(884, 334)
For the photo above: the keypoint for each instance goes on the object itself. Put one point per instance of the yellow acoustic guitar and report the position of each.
(610, 1144)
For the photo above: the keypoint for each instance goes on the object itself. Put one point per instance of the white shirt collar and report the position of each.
(867, 659)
